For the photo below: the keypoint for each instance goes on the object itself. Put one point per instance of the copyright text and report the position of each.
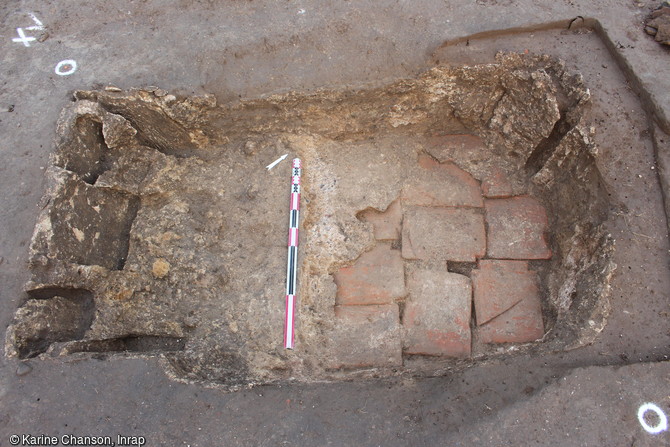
(46, 440)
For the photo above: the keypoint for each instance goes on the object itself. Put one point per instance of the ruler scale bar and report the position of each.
(292, 265)
(288, 334)
(291, 271)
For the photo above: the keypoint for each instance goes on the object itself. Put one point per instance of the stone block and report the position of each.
(84, 224)
(41, 322)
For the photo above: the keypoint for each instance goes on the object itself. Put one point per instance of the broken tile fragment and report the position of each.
(444, 234)
(437, 313)
(516, 228)
(496, 185)
(507, 302)
(386, 224)
(441, 184)
(366, 336)
(377, 277)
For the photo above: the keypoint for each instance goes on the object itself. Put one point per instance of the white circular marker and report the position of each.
(66, 67)
(662, 424)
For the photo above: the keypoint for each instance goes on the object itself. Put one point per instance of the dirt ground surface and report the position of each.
(246, 51)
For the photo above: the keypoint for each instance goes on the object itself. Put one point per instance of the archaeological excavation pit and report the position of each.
(446, 220)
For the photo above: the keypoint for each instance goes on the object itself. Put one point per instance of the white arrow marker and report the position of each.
(38, 24)
(276, 162)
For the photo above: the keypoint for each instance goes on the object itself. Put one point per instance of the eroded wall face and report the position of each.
(444, 218)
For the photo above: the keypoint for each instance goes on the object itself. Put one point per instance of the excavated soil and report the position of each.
(163, 234)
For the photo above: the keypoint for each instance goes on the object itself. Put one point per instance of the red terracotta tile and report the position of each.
(441, 184)
(516, 228)
(437, 313)
(507, 302)
(499, 285)
(443, 234)
(366, 336)
(521, 324)
(377, 277)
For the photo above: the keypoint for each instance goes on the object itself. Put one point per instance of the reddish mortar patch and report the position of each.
(386, 224)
